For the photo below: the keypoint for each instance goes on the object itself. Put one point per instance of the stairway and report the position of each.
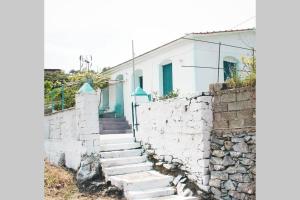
(110, 125)
(125, 166)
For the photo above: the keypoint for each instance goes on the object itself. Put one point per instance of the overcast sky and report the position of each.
(105, 28)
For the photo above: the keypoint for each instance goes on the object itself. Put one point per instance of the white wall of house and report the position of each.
(206, 55)
(179, 53)
(188, 80)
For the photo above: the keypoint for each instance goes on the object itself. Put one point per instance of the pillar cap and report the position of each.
(139, 92)
(86, 88)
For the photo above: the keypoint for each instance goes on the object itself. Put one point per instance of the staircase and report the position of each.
(125, 166)
(110, 125)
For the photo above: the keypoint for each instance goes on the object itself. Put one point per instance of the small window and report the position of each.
(229, 70)
(141, 82)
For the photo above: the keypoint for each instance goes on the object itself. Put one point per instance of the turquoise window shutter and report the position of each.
(167, 79)
(229, 70)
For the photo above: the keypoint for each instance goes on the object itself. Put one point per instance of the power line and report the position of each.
(244, 21)
(239, 47)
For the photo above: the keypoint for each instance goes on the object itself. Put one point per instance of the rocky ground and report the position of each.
(59, 184)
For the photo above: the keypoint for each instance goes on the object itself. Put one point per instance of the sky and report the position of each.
(106, 28)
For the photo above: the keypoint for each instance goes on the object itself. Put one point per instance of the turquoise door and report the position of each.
(119, 107)
(229, 70)
(167, 79)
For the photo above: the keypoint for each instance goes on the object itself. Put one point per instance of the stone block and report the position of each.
(229, 97)
(205, 179)
(248, 188)
(228, 185)
(229, 115)
(235, 154)
(218, 153)
(216, 161)
(237, 139)
(228, 145)
(216, 191)
(242, 178)
(217, 116)
(215, 183)
(238, 123)
(227, 161)
(245, 114)
(246, 161)
(243, 96)
(241, 147)
(250, 122)
(220, 124)
(236, 195)
(219, 167)
(221, 175)
(241, 105)
(234, 170)
(222, 107)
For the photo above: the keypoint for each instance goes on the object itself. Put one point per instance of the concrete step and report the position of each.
(112, 122)
(120, 154)
(119, 126)
(126, 169)
(116, 138)
(111, 162)
(141, 181)
(157, 192)
(108, 115)
(122, 119)
(120, 146)
(172, 197)
(115, 131)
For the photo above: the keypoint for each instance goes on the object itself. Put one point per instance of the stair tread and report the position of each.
(141, 176)
(171, 197)
(151, 190)
(130, 165)
(119, 146)
(122, 158)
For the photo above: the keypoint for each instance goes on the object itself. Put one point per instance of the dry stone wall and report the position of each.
(233, 143)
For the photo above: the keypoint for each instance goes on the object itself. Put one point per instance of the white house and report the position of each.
(188, 64)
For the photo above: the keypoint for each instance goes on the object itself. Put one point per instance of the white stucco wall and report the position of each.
(206, 55)
(71, 133)
(178, 54)
(179, 128)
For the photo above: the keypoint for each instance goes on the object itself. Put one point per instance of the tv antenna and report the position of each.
(85, 62)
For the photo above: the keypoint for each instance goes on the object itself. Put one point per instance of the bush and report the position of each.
(249, 80)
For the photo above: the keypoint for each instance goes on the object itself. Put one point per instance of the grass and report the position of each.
(59, 184)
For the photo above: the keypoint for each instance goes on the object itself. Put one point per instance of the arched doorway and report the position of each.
(119, 107)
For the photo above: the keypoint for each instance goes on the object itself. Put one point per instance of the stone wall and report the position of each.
(71, 133)
(176, 135)
(233, 143)
(234, 109)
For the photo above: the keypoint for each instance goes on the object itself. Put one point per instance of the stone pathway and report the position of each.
(125, 166)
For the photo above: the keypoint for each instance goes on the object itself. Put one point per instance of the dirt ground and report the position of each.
(60, 185)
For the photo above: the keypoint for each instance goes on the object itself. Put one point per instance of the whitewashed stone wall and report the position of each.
(178, 131)
(73, 132)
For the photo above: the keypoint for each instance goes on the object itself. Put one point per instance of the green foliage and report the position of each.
(172, 94)
(72, 82)
(249, 80)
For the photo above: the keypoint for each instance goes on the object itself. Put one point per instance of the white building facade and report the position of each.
(187, 65)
